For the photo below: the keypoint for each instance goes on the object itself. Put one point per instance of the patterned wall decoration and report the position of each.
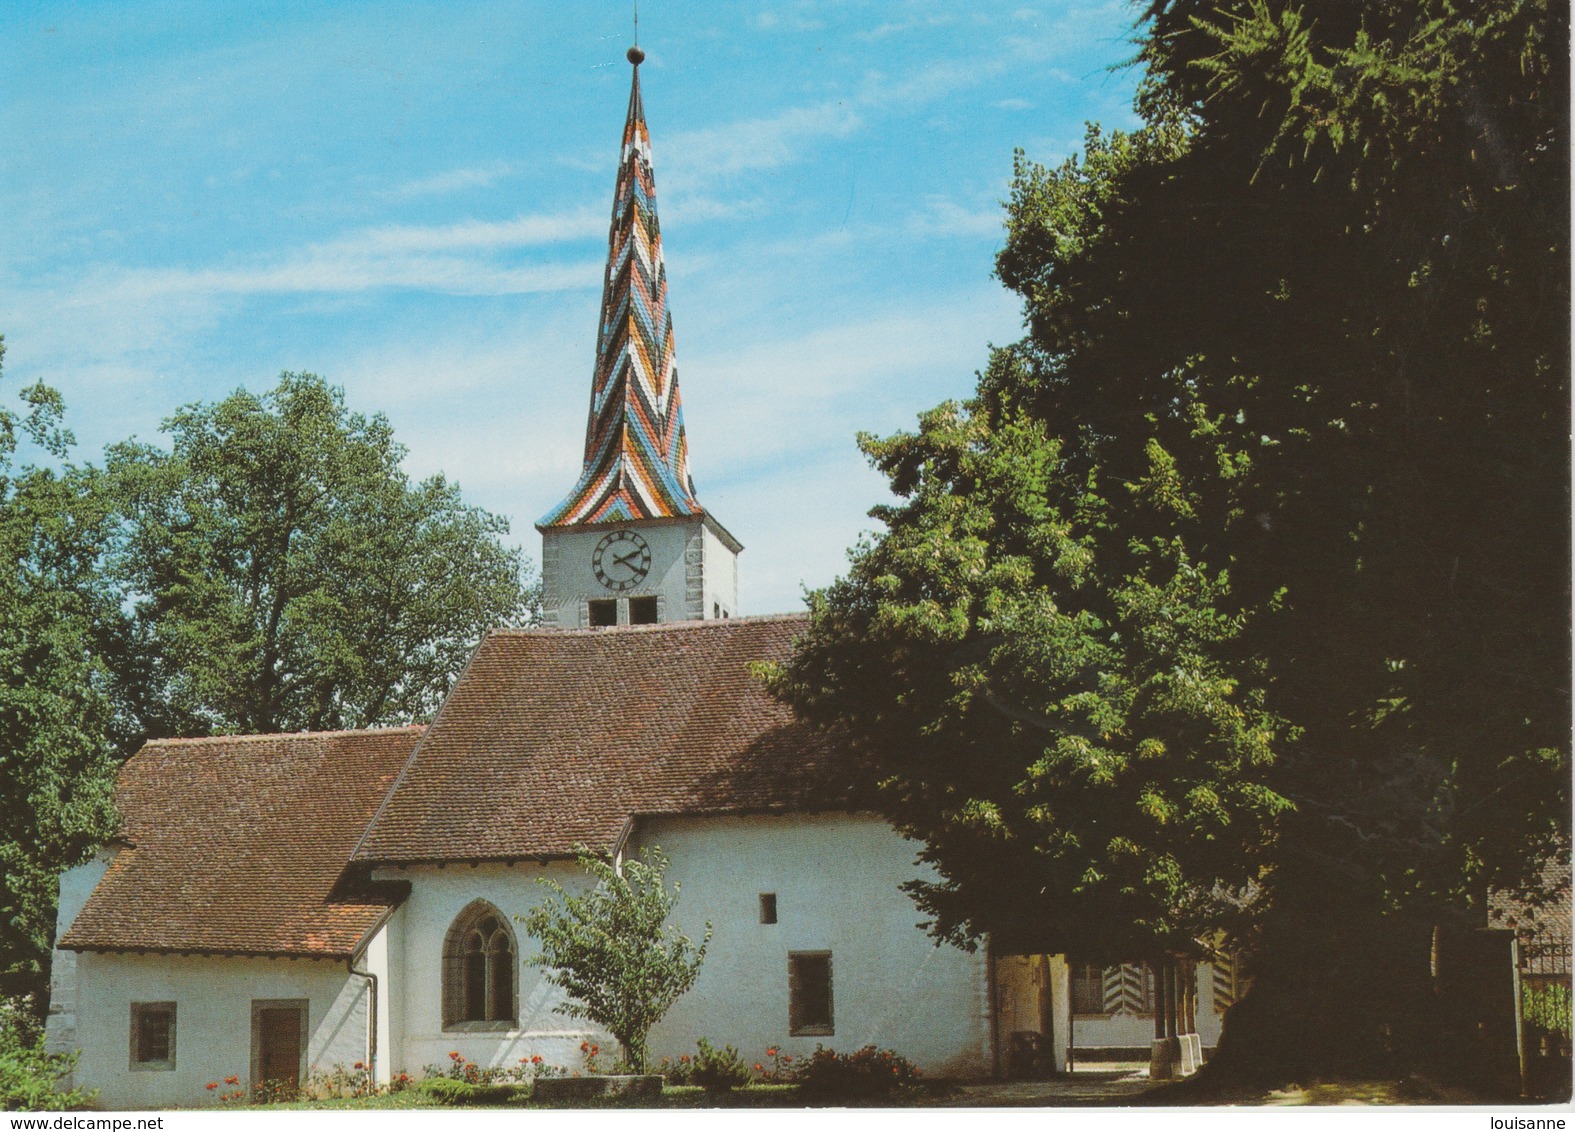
(1125, 988)
(1129, 989)
(636, 456)
(1230, 980)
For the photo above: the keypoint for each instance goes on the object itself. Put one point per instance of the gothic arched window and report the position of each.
(479, 968)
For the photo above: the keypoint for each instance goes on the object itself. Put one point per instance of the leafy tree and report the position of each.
(29, 1077)
(283, 573)
(611, 949)
(55, 757)
(1238, 594)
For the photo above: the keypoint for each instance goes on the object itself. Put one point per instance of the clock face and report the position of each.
(621, 561)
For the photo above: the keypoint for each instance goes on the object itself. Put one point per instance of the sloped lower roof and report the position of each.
(236, 844)
(553, 739)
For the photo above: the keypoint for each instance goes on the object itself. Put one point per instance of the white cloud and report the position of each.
(520, 232)
(692, 208)
(702, 156)
(788, 21)
(1014, 104)
(324, 271)
(943, 217)
(451, 181)
(898, 27)
(872, 370)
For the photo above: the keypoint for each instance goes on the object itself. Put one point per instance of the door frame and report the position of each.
(302, 1009)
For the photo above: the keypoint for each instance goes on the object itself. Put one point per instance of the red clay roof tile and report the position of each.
(237, 842)
(554, 739)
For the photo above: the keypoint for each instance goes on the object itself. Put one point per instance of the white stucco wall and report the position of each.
(836, 879)
(76, 885)
(377, 960)
(569, 582)
(213, 1021)
(437, 897)
(693, 572)
(719, 575)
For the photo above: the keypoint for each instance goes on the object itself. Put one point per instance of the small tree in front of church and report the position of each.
(612, 951)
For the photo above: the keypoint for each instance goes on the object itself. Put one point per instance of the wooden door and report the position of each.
(278, 1037)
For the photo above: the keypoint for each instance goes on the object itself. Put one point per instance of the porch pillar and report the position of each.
(1164, 1060)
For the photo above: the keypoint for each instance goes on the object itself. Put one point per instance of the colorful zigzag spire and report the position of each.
(636, 457)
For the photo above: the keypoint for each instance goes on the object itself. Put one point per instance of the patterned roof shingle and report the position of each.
(236, 844)
(554, 739)
(636, 454)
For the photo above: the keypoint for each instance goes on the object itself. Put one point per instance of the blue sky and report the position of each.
(411, 199)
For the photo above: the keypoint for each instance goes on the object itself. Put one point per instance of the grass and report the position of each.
(673, 1096)
(1063, 1092)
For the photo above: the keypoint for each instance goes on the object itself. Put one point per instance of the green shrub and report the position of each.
(718, 1070)
(869, 1072)
(1546, 1007)
(677, 1070)
(448, 1091)
(28, 1075)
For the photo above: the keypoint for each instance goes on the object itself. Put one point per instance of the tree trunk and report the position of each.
(1341, 987)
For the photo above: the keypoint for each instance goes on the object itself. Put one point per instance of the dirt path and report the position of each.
(1085, 1087)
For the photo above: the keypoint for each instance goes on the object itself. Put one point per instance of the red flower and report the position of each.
(684, 1059)
(585, 1047)
(595, 1050)
(232, 1080)
(787, 1059)
(212, 1085)
(535, 1059)
(759, 1068)
(453, 1054)
(358, 1065)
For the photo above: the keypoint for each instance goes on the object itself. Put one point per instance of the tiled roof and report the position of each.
(236, 844)
(551, 739)
(636, 455)
(1543, 924)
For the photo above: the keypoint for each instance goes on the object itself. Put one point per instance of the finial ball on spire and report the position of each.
(636, 56)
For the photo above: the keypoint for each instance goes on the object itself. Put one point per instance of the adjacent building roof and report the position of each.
(1542, 924)
(554, 739)
(636, 454)
(235, 845)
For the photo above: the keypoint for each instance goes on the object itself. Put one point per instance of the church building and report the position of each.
(279, 905)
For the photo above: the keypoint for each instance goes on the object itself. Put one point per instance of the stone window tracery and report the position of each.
(480, 970)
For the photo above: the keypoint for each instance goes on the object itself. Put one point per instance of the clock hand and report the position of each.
(623, 559)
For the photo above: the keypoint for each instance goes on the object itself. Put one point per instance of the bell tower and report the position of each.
(631, 544)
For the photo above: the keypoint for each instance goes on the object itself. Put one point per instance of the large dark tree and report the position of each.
(56, 768)
(282, 572)
(1238, 597)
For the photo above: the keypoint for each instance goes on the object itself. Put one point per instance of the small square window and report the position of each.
(809, 992)
(604, 613)
(642, 611)
(768, 907)
(153, 1035)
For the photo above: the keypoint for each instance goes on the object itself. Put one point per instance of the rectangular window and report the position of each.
(604, 613)
(768, 907)
(809, 992)
(153, 1035)
(642, 611)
